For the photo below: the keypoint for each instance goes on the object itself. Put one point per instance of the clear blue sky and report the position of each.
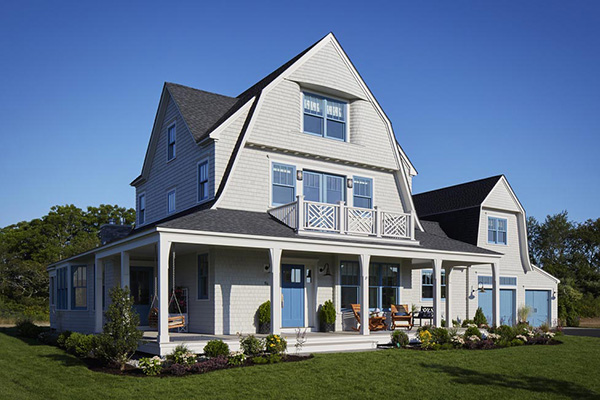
(473, 88)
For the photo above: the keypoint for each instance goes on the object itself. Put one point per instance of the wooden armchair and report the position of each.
(401, 317)
(375, 323)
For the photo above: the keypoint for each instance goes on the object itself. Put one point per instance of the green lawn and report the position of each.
(572, 370)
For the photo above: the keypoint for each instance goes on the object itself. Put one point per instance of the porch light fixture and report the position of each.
(299, 174)
(349, 183)
(481, 288)
(325, 270)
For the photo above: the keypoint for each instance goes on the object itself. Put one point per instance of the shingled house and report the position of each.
(297, 191)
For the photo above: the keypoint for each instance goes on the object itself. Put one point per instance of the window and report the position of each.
(141, 209)
(384, 285)
(51, 290)
(489, 281)
(324, 117)
(350, 283)
(324, 188)
(202, 276)
(427, 284)
(171, 201)
(171, 138)
(497, 230)
(62, 289)
(203, 180)
(78, 287)
(284, 184)
(363, 192)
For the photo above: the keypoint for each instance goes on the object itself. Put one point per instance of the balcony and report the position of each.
(306, 216)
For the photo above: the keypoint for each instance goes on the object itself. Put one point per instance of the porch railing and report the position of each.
(303, 215)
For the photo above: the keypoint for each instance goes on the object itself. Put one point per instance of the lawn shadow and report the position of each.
(65, 359)
(529, 383)
(12, 332)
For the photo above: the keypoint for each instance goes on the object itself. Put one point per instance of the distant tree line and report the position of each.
(571, 252)
(28, 247)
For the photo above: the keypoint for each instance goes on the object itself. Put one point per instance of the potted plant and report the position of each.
(523, 314)
(264, 317)
(327, 316)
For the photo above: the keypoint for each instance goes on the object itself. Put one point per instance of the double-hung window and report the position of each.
(203, 180)
(141, 208)
(384, 285)
(350, 283)
(363, 192)
(284, 184)
(171, 201)
(171, 139)
(62, 289)
(78, 287)
(497, 230)
(427, 284)
(202, 277)
(324, 116)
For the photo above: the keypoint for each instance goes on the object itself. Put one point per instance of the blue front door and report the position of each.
(507, 306)
(539, 302)
(140, 281)
(292, 290)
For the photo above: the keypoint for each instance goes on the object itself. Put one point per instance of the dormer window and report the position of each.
(171, 138)
(324, 116)
(497, 230)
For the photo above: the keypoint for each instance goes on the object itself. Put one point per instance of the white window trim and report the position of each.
(171, 124)
(487, 221)
(174, 191)
(346, 134)
(87, 287)
(138, 209)
(488, 286)
(372, 190)
(297, 190)
(52, 288)
(421, 285)
(208, 197)
(208, 298)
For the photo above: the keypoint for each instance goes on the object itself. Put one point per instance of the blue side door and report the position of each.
(507, 306)
(539, 302)
(141, 288)
(292, 290)
(485, 302)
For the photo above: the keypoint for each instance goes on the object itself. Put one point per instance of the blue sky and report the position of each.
(473, 88)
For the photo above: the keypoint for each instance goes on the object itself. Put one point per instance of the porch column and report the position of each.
(98, 272)
(496, 294)
(125, 269)
(448, 297)
(163, 248)
(437, 292)
(275, 257)
(364, 293)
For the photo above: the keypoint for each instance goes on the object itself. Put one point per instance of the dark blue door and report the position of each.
(142, 291)
(507, 306)
(292, 290)
(539, 302)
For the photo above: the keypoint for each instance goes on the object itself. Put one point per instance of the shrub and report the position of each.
(120, 336)
(399, 339)
(440, 335)
(178, 369)
(182, 355)
(251, 345)
(424, 328)
(49, 338)
(211, 364)
(267, 359)
(275, 344)
(446, 346)
(443, 323)
(467, 322)
(236, 359)
(506, 332)
(81, 345)
(517, 342)
(480, 319)
(327, 316)
(151, 366)
(455, 323)
(264, 317)
(216, 348)
(426, 339)
(26, 328)
(62, 338)
(545, 327)
(472, 331)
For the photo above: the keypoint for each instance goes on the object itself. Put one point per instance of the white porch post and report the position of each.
(275, 257)
(496, 294)
(437, 292)
(364, 293)
(125, 269)
(163, 249)
(98, 272)
(448, 297)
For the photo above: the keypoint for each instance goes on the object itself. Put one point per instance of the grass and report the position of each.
(29, 370)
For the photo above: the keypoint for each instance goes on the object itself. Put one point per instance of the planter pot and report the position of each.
(264, 328)
(327, 327)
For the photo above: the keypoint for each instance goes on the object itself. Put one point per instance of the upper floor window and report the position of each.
(141, 208)
(363, 192)
(324, 188)
(427, 284)
(78, 287)
(324, 116)
(497, 230)
(171, 201)
(202, 276)
(203, 180)
(62, 289)
(284, 184)
(171, 138)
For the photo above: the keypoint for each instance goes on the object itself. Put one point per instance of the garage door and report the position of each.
(507, 306)
(539, 302)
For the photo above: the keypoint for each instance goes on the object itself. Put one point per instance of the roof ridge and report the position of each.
(460, 184)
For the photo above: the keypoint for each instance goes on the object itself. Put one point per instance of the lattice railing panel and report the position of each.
(395, 225)
(360, 220)
(321, 216)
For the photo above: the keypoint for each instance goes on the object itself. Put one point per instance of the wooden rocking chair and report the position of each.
(401, 317)
(375, 323)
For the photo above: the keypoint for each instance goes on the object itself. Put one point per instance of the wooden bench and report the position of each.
(401, 317)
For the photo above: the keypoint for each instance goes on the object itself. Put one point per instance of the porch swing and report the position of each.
(176, 321)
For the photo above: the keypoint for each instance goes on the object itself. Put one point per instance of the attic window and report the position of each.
(324, 116)
(171, 137)
(497, 230)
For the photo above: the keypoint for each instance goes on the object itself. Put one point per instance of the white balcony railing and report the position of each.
(338, 218)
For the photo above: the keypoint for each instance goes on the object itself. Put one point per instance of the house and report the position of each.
(296, 191)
